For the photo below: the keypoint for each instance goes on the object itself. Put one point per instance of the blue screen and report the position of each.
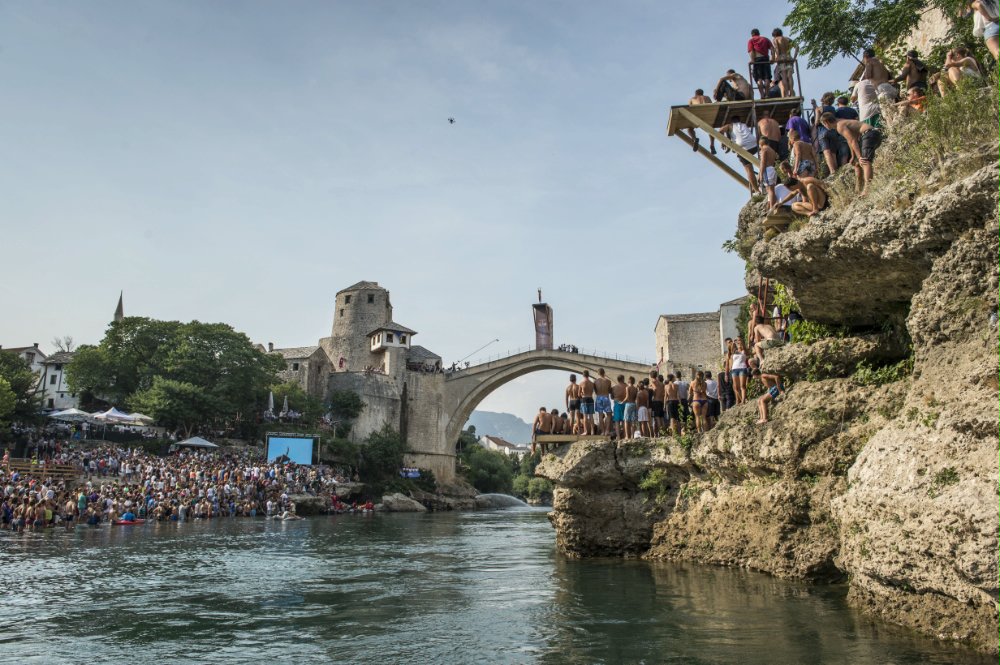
(299, 451)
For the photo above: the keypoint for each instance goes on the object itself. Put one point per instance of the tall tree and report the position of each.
(826, 29)
(23, 383)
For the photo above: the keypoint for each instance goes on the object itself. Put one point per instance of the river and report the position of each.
(404, 588)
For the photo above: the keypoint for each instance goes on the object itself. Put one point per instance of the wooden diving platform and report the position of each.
(569, 438)
(710, 117)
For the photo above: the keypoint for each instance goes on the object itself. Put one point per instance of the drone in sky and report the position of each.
(451, 121)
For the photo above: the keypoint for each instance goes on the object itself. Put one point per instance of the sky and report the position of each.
(243, 161)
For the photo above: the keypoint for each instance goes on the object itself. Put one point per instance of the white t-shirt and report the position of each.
(744, 135)
(867, 97)
(682, 389)
(712, 388)
(739, 360)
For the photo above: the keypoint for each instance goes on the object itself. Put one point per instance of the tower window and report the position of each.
(347, 300)
(389, 338)
(402, 339)
(371, 298)
(295, 367)
(341, 312)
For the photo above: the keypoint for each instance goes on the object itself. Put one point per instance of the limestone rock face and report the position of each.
(309, 504)
(400, 503)
(829, 358)
(861, 266)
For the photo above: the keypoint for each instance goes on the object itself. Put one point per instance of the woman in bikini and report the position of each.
(739, 370)
(699, 401)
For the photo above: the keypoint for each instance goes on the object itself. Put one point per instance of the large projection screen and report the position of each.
(298, 449)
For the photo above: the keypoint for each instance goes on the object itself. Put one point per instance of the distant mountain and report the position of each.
(505, 425)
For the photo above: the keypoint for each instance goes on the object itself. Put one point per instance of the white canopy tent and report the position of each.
(113, 415)
(71, 415)
(196, 442)
(141, 418)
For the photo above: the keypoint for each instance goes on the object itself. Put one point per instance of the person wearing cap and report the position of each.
(914, 72)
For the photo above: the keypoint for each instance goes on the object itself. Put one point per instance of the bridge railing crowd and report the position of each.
(604, 355)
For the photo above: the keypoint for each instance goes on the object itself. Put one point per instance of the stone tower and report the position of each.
(358, 310)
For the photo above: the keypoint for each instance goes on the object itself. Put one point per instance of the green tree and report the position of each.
(487, 470)
(826, 29)
(382, 456)
(8, 400)
(299, 400)
(22, 382)
(174, 404)
(231, 375)
(345, 404)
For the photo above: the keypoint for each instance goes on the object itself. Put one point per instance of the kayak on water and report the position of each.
(127, 522)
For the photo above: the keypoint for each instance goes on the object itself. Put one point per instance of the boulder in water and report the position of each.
(400, 503)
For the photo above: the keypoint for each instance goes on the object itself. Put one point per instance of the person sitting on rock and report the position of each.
(773, 389)
(765, 336)
(812, 191)
(543, 425)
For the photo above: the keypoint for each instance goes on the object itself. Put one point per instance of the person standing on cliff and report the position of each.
(602, 401)
(671, 403)
(631, 411)
(785, 53)
(864, 141)
(618, 393)
(543, 425)
(642, 409)
(683, 405)
(768, 170)
(573, 403)
(587, 403)
(759, 51)
(773, 388)
(656, 403)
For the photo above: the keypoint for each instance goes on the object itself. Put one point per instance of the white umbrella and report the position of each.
(196, 442)
(71, 415)
(284, 407)
(270, 403)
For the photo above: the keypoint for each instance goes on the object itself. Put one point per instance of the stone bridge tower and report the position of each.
(358, 310)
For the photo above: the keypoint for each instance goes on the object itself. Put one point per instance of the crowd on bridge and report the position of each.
(657, 405)
(112, 484)
(843, 130)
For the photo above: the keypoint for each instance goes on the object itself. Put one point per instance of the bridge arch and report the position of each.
(467, 388)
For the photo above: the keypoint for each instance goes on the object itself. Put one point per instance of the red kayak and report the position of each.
(126, 522)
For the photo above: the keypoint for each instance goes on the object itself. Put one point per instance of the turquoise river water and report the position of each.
(402, 588)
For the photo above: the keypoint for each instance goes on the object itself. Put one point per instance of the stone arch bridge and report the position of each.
(435, 427)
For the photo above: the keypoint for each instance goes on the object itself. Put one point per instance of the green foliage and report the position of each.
(487, 470)
(783, 299)
(826, 29)
(866, 375)
(345, 404)
(167, 363)
(656, 482)
(21, 381)
(174, 404)
(743, 318)
(540, 490)
(686, 441)
(8, 400)
(310, 407)
(382, 456)
(943, 478)
(809, 332)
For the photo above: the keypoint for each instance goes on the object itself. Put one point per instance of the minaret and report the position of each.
(120, 310)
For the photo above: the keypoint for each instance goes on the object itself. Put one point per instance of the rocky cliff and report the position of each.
(890, 482)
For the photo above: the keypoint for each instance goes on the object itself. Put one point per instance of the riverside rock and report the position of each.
(400, 503)
(892, 487)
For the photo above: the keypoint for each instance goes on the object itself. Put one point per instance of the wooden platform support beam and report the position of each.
(722, 138)
(726, 168)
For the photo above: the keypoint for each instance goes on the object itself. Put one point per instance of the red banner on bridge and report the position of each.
(543, 327)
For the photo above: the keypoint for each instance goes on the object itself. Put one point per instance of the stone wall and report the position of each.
(380, 395)
(688, 344)
(353, 318)
(311, 374)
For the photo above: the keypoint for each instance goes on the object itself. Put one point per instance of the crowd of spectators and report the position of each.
(115, 484)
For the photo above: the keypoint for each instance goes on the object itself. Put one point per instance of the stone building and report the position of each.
(307, 366)
(55, 393)
(692, 342)
(358, 310)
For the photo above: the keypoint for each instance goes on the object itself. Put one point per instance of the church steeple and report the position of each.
(120, 310)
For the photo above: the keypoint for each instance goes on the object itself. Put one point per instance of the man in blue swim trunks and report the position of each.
(602, 397)
(618, 392)
(772, 382)
(587, 405)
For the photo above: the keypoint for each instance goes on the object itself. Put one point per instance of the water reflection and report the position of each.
(459, 588)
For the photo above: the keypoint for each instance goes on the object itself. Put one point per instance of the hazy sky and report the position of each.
(243, 161)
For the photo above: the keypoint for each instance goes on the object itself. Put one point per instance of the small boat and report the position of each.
(126, 522)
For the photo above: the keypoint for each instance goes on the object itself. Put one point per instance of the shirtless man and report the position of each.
(732, 87)
(618, 392)
(642, 409)
(573, 403)
(543, 425)
(813, 192)
(764, 335)
(657, 405)
(69, 510)
(672, 404)
(631, 410)
(864, 141)
(587, 403)
(769, 128)
(602, 401)
(768, 170)
(785, 53)
(875, 71)
(700, 98)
